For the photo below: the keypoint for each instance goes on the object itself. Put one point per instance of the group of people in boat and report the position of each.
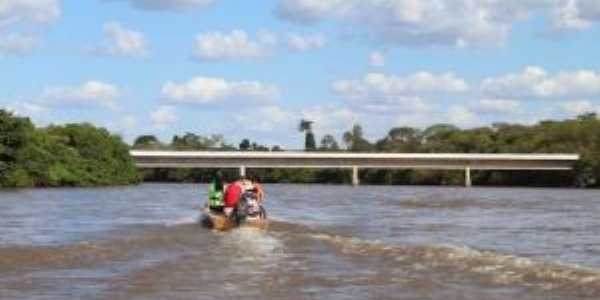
(225, 198)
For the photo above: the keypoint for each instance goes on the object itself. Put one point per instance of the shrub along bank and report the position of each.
(69, 155)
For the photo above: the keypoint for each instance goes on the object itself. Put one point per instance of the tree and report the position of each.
(15, 134)
(328, 143)
(438, 131)
(257, 147)
(400, 139)
(355, 141)
(146, 142)
(245, 145)
(305, 125)
(68, 155)
(309, 140)
(102, 158)
(310, 144)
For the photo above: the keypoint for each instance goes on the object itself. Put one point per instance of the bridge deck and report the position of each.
(354, 161)
(176, 159)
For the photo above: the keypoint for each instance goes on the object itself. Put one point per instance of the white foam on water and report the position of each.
(182, 221)
(254, 243)
(499, 268)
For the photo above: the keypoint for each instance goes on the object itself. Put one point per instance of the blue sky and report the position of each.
(255, 68)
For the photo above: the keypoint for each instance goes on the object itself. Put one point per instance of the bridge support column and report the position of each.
(242, 171)
(468, 182)
(355, 178)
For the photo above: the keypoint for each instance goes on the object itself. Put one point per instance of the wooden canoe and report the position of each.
(221, 222)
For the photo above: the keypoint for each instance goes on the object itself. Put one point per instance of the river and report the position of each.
(324, 242)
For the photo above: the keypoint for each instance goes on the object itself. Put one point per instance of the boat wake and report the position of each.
(289, 252)
(462, 262)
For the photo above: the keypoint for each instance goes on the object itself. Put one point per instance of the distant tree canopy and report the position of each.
(328, 143)
(355, 141)
(147, 142)
(191, 141)
(245, 145)
(580, 135)
(69, 155)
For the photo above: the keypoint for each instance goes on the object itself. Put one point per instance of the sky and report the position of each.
(255, 68)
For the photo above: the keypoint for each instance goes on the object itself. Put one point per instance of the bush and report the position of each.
(69, 155)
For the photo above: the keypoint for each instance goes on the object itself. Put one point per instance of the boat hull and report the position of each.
(221, 222)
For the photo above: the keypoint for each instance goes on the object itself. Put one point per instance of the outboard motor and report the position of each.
(248, 206)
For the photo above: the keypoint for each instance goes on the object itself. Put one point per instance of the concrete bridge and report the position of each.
(354, 161)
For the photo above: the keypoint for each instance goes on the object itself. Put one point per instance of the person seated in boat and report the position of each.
(232, 196)
(258, 189)
(216, 202)
(246, 184)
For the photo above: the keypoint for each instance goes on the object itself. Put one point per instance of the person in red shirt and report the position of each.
(233, 192)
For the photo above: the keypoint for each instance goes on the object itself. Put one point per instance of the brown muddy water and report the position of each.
(325, 242)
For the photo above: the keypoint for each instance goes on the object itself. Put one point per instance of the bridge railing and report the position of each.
(349, 160)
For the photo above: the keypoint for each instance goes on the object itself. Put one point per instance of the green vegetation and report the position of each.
(83, 155)
(69, 155)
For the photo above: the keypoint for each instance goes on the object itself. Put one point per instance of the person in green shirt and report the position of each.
(215, 194)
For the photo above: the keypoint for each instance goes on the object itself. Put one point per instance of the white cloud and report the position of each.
(236, 45)
(463, 117)
(128, 123)
(95, 93)
(458, 23)
(17, 44)
(329, 119)
(566, 16)
(579, 107)
(124, 126)
(409, 22)
(265, 119)
(306, 11)
(29, 109)
(589, 9)
(536, 83)
(378, 84)
(20, 19)
(28, 12)
(169, 5)
(206, 90)
(575, 14)
(163, 117)
(497, 106)
(303, 43)
(122, 42)
(424, 98)
(382, 93)
(377, 59)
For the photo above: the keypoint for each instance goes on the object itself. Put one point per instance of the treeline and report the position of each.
(69, 155)
(83, 155)
(580, 135)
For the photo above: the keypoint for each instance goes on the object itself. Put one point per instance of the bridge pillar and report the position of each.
(468, 182)
(355, 178)
(242, 171)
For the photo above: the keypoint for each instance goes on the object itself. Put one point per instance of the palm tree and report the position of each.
(309, 141)
(305, 125)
